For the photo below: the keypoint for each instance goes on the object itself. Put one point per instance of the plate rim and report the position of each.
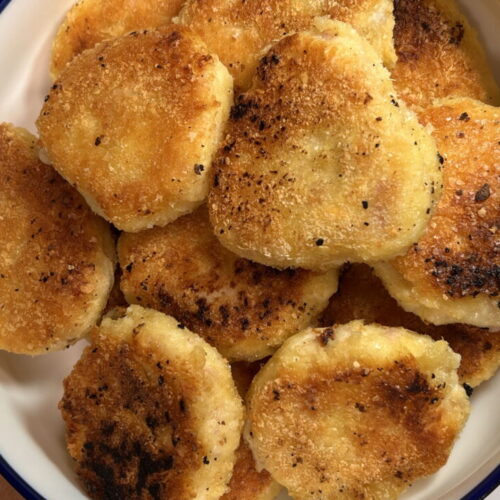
(479, 492)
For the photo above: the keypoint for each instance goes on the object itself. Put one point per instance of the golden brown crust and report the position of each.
(321, 163)
(139, 146)
(151, 411)
(248, 484)
(361, 295)
(239, 31)
(439, 55)
(56, 258)
(456, 263)
(89, 22)
(244, 309)
(355, 411)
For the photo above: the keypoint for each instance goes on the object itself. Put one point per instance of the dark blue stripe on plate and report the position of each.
(3, 4)
(16, 480)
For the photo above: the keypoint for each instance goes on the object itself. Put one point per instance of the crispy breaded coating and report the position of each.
(355, 411)
(246, 310)
(89, 22)
(452, 275)
(361, 295)
(151, 411)
(56, 257)
(439, 55)
(139, 146)
(238, 31)
(321, 163)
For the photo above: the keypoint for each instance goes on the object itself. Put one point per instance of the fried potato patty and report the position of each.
(151, 411)
(89, 22)
(239, 31)
(361, 295)
(245, 310)
(56, 257)
(355, 411)
(439, 55)
(139, 145)
(321, 164)
(452, 275)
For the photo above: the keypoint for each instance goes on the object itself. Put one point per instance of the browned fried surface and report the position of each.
(459, 255)
(439, 55)
(320, 163)
(118, 455)
(239, 30)
(149, 408)
(361, 295)
(56, 257)
(334, 417)
(89, 22)
(139, 145)
(244, 309)
(248, 484)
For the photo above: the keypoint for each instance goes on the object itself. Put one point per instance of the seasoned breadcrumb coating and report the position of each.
(355, 411)
(151, 411)
(89, 22)
(361, 295)
(439, 55)
(246, 310)
(321, 163)
(139, 145)
(239, 31)
(452, 275)
(56, 257)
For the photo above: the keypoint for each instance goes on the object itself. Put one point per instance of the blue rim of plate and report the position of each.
(480, 492)
(3, 4)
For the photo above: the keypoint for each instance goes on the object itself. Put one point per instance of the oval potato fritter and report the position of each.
(246, 483)
(89, 22)
(361, 295)
(355, 411)
(139, 145)
(439, 55)
(56, 257)
(151, 411)
(452, 275)
(238, 31)
(321, 164)
(246, 310)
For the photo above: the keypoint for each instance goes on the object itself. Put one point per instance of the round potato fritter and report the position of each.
(452, 275)
(238, 31)
(361, 295)
(244, 309)
(139, 145)
(56, 257)
(321, 163)
(151, 411)
(439, 55)
(89, 22)
(355, 411)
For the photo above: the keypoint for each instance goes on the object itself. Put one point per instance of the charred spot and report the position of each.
(276, 395)
(242, 107)
(198, 169)
(457, 34)
(360, 407)
(482, 194)
(325, 336)
(182, 405)
(464, 117)
(175, 36)
(266, 63)
(320, 242)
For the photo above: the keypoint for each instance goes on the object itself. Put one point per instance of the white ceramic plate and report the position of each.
(32, 450)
